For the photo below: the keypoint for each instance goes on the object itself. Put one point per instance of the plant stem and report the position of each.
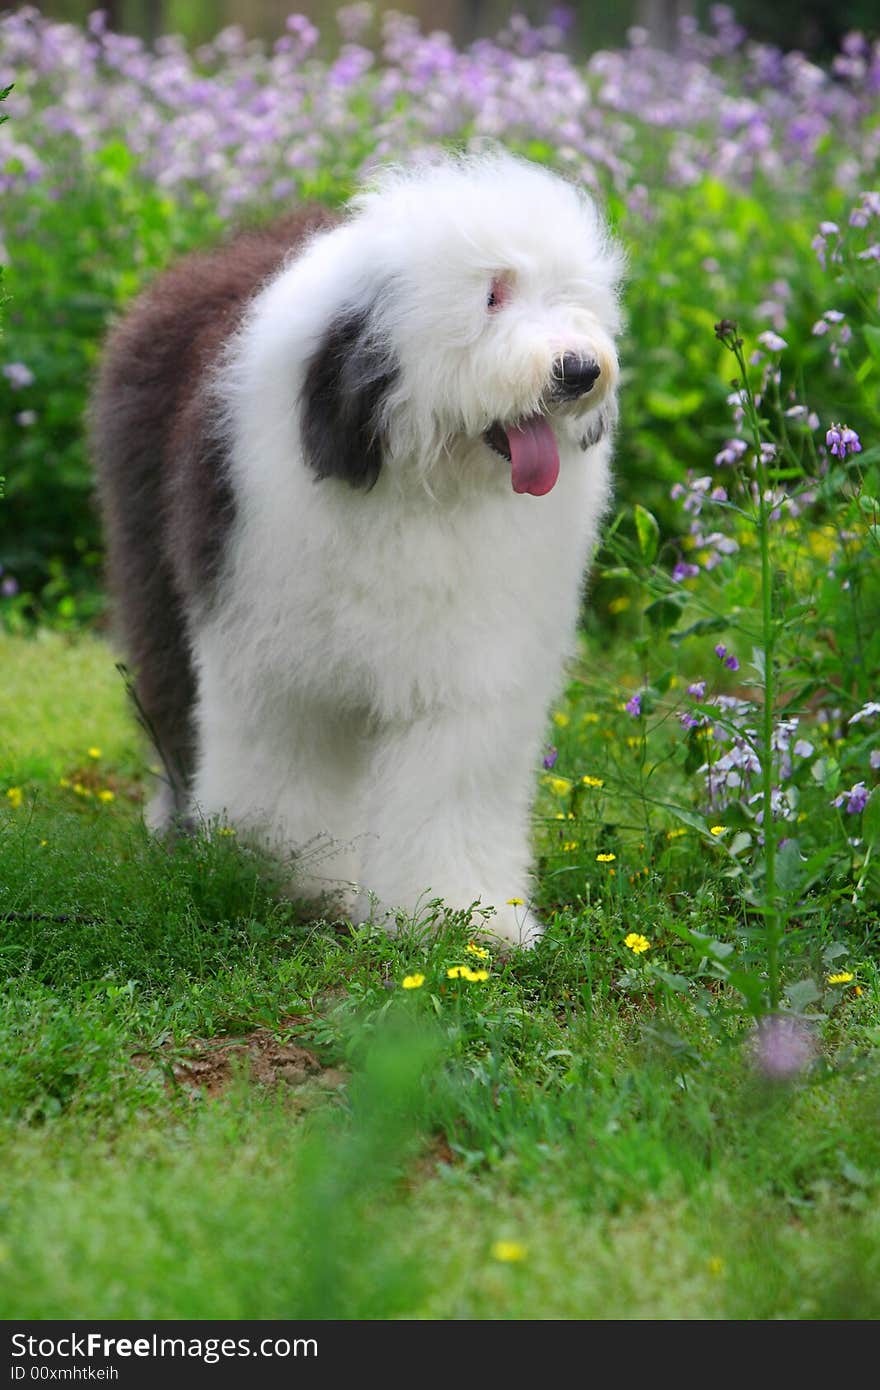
(772, 919)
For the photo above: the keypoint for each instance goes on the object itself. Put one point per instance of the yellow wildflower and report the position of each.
(464, 972)
(676, 833)
(476, 950)
(559, 786)
(605, 858)
(592, 781)
(80, 790)
(94, 752)
(716, 1265)
(590, 718)
(509, 1251)
(561, 719)
(636, 943)
(413, 981)
(14, 797)
(717, 829)
(515, 902)
(843, 977)
(226, 830)
(569, 846)
(619, 604)
(106, 795)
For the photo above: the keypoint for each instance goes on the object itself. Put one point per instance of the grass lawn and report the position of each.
(214, 1107)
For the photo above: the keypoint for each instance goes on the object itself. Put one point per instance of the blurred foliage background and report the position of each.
(816, 27)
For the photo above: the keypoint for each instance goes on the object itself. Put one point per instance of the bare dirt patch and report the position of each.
(208, 1066)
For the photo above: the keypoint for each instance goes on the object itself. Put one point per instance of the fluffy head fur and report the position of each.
(316, 450)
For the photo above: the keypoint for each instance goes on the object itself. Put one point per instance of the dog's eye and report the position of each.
(499, 293)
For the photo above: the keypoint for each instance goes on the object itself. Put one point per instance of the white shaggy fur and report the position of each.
(379, 671)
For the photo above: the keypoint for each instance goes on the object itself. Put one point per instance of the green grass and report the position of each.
(612, 1129)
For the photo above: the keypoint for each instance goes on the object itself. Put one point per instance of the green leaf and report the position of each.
(789, 869)
(751, 987)
(116, 157)
(705, 944)
(690, 819)
(665, 612)
(872, 338)
(668, 407)
(648, 532)
(871, 819)
(697, 629)
(802, 993)
(826, 771)
(679, 983)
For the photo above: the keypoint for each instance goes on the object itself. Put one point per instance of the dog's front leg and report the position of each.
(449, 803)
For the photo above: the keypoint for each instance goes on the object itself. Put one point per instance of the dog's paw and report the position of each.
(514, 924)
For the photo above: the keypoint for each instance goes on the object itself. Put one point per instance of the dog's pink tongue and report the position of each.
(534, 457)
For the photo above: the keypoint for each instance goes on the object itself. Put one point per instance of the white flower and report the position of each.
(772, 341)
(866, 712)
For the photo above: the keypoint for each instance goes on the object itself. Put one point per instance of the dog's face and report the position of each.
(490, 324)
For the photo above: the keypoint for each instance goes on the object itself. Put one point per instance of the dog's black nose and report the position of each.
(574, 376)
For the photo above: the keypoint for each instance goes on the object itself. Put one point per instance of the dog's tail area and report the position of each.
(134, 410)
(129, 419)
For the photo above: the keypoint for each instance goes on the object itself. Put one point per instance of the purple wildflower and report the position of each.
(727, 657)
(697, 690)
(782, 1047)
(842, 441)
(9, 587)
(634, 706)
(18, 375)
(683, 570)
(732, 452)
(550, 757)
(856, 799)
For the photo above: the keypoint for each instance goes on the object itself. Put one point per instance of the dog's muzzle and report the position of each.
(573, 376)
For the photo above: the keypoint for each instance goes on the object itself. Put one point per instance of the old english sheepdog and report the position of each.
(352, 470)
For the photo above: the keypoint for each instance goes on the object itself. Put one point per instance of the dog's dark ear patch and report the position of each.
(346, 383)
